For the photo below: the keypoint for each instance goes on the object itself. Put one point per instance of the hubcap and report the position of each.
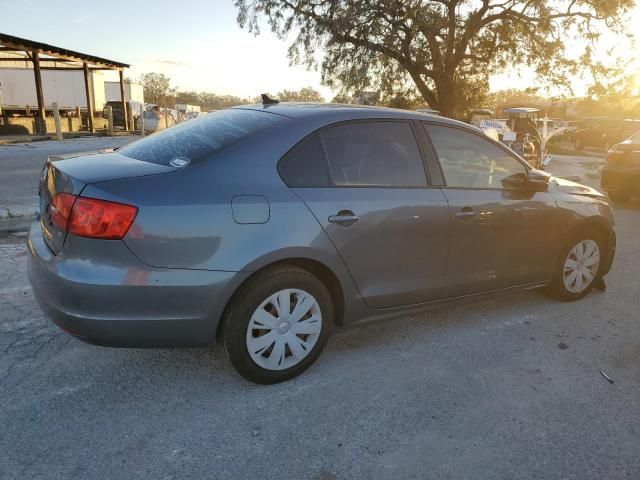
(284, 329)
(581, 266)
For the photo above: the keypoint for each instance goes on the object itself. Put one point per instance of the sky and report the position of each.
(197, 43)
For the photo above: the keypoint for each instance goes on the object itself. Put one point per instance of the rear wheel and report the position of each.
(277, 325)
(579, 266)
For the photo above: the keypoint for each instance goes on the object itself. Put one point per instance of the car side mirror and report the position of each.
(517, 181)
(533, 181)
(538, 181)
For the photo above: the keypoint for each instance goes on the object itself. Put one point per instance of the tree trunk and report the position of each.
(442, 99)
(446, 98)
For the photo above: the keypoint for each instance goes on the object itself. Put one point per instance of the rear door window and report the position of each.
(377, 153)
(198, 139)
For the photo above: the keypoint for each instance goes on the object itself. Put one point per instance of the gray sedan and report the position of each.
(266, 226)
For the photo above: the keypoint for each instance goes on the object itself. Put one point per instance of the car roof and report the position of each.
(335, 112)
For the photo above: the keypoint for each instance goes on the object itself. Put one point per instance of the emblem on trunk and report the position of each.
(179, 162)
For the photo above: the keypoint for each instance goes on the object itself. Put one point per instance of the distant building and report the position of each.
(66, 87)
(133, 91)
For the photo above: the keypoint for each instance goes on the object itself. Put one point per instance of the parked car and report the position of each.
(570, 128)
(621, 174)
(268, 226)
(605, 133)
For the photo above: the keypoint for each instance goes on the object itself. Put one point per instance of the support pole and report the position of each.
(42, 122)
(56, 118)
(132, 122)
(123, 99)
(110, 119)
(87, 89)
(142, 121)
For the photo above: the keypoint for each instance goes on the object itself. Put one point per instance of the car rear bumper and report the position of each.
(111, 298)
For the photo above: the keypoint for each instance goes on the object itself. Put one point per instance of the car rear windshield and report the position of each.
(198, 139)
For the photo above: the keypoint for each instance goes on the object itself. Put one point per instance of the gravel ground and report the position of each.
(500, 388)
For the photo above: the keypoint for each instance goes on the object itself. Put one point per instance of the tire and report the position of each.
(619, 196)
(289, 346)
(563, 289)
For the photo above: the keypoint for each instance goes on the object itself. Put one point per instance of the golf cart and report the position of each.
(524, 137)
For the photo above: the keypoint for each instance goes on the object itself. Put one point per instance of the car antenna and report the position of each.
(268, 101)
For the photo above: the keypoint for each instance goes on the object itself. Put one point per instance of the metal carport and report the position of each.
(48, 57)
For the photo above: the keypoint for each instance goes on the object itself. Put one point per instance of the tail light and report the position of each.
(90, 217)
(60, 209)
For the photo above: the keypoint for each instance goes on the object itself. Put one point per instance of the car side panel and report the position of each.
(512, 240)
(397, 251)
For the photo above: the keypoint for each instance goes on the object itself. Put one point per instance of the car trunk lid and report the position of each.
(71, 175)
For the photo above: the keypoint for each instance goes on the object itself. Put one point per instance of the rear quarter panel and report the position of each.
(185, 218)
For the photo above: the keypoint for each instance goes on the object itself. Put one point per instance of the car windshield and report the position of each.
(198, 139)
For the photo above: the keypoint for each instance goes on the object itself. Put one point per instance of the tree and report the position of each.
(441, 48)
(341, 98)
(157, 89)
(512, 96)
(211, 101)
(618, 97)
(306, 94)
(188, 97)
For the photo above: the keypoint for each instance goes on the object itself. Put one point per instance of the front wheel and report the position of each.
(277, 325)
(579, 267)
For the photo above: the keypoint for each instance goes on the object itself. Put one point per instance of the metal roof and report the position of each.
(521, 110)
(21, 44)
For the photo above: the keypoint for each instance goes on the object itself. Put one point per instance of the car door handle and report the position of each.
(466, 213)
(344, 218)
